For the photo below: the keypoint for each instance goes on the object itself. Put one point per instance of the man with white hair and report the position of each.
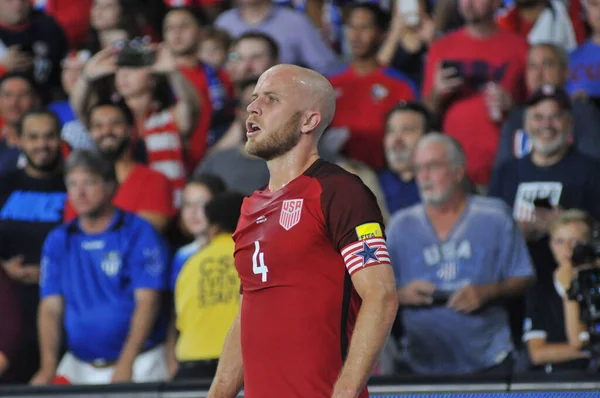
(463, 256)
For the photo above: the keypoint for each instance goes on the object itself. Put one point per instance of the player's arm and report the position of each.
(229, 379)
(377, 289)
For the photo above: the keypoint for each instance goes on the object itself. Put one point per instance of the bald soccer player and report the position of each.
(317, 289)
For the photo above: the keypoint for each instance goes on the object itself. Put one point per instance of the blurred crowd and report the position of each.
(122, 173)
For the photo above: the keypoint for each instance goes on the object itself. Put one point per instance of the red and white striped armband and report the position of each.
(365, 253)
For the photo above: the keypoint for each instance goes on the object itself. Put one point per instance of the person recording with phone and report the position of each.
(464, 257)
(411, 32)
(556, 338)
(473, 77)
(146, 78)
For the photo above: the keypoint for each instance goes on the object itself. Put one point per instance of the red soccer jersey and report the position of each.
(143, 190)
(501, 59)
(295, 250)
(361, 105)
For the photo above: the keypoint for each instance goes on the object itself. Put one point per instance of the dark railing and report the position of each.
(567, 385)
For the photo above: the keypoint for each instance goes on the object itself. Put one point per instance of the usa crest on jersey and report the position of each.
(291, 210)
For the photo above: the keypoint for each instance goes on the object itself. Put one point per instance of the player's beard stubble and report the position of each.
(279, 143)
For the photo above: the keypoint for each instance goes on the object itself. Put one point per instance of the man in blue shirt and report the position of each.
(455, 258)
(404, 126)
(102, 277)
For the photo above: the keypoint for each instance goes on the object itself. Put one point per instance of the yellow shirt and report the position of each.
(207, 298)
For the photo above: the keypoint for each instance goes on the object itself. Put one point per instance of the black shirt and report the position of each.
(545, 318)
(43, 39)
(29, 209)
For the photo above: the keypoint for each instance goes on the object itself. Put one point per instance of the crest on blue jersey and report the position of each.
(111, 264)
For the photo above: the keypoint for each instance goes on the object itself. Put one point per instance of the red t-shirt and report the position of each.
(143, 190)
(361, 106)
(295, 250)
(500, 58)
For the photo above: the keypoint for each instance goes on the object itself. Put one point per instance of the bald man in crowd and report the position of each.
(317, 288)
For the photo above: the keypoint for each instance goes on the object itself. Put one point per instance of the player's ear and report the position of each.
(310, 124)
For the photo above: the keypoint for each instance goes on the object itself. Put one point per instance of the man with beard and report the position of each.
(32, 201)
(464, 256)
(404, 126)
(473, 76)
(365, 90)
(239, 170)
(309, 250)
(182, 35)
(554, 177)
(142, 190)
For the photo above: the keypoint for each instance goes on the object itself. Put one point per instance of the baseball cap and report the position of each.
(553, 92)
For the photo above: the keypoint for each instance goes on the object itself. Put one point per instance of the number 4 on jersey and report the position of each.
(258, 262)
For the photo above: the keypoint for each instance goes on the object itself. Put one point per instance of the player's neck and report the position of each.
(364, 66)
(201, 240)
(97, 223)
(482, 30)
(596, 38)
(42, 174)
(140, 104)
(11, 136)
(289, 166)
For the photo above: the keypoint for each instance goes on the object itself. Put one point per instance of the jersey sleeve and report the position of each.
(149, 259)
(50, 265)
(354, 222)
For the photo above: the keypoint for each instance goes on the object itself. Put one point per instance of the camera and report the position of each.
(585, 289)
(135, 54)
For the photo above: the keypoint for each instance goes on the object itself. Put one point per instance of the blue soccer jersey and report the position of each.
(97, 276)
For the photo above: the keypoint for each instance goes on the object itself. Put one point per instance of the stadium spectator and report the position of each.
(32, 202)
(298, 40)
(541, 21)
(407, 42)
(252, 54)
(111, 22)
(17, 97)
(102, 276)
(548, 64)
(182, 33)
(555, 336)
(554, 177)
(207, 292)
(405, 124)
(73, 132)
(199, 190)
(162, 125)
(365, 90)
(32, 43)
(238, 169)
(584, 75)
(73, 17)
(210, 8)
(473, 77)
(463, 257)
(142, 191)
(214, 47)
(10, 328)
